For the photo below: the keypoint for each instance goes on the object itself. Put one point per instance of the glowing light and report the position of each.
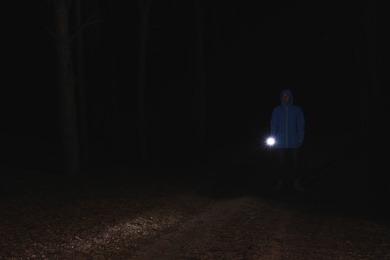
(270, 141)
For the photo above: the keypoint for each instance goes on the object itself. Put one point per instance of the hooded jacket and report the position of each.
(287, 123)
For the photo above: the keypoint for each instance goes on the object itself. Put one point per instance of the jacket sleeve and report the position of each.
(301, 126)
(274, 123)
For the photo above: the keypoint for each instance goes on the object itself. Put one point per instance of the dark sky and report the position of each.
(307, 46)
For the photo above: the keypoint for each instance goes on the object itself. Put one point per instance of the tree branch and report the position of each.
(86, 24)
(51, 33)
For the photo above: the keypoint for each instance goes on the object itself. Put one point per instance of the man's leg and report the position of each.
(281, 168)
(296, 171)
(295, 160)
(281, 163)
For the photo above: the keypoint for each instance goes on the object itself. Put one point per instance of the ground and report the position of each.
(46, 216)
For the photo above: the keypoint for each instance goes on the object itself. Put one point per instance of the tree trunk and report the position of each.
(144, 7)
(81, 85)
(173, 56)
(114, 119)
(173, 72)
(372, 96)
(216, 37)
(96, 106)
(363, 106)
(200, 102)
(234, 21)
(369, 29)
(66, 90)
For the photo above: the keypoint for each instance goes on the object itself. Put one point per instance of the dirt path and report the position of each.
(251, 228)
(189, 235)
(79, 222)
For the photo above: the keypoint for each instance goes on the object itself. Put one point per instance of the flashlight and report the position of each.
(270, 141)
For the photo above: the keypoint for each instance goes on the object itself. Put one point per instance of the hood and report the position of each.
(288, 92)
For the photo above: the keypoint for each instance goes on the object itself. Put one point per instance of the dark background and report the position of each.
(251, 49)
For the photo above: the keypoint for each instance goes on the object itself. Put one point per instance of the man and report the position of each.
(288, 129)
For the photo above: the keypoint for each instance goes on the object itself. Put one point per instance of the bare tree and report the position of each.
(362, 95)
(216, 29)
(174, 41)
(369, 90)
(200, 102)
(114, 84)
(81, 83)
(144, 11)
(66, 89)
(370, 18)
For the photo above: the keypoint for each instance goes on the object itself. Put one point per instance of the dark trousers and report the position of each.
(288, 159)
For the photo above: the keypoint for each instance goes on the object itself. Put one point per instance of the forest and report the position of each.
(179, 82)
(137, 129)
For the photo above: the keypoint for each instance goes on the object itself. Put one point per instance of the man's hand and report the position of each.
(299, 144)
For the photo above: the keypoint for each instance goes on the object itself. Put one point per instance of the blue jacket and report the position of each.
(287, 124)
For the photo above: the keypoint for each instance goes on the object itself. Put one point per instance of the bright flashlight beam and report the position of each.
(270, 141)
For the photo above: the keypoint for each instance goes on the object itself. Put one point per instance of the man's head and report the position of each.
(286, 98)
